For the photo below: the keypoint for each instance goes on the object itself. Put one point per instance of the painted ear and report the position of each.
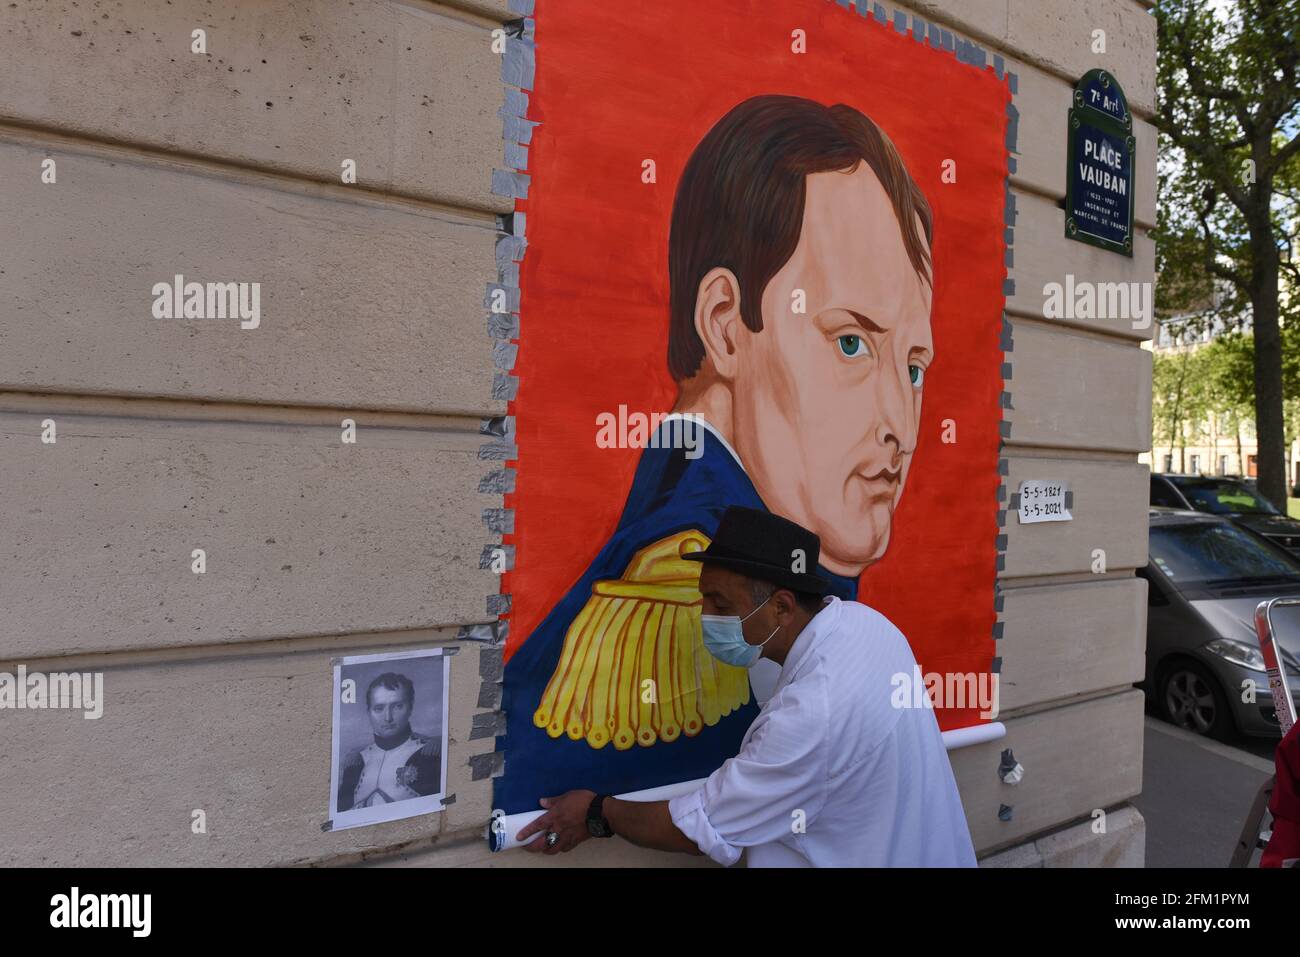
(717, 319)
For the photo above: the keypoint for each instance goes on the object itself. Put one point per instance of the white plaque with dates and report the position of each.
(1043, 501)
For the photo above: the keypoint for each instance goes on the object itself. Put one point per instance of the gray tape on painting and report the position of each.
(509, 183)
(516, 156)
(480, 632)
(515, 103)
(516, 129)
(509, 249)
(519, 65)
(505, 387)
(491, 663)
(499, 294)
(483, 766)
(501, 521)
(488, 725)
(498, 482)
(503, 325)
(489, 694)
(504, 354)
(498, 451)
(485, 560)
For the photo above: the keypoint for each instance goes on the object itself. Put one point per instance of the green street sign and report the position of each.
(1100, 163)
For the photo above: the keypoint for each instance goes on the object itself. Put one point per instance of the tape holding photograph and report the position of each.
(389, 756)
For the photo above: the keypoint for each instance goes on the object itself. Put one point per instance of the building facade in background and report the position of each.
(1213, 442)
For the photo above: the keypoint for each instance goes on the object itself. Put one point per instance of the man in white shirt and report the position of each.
(831, 773)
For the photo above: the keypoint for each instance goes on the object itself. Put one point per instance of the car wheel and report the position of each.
(1192, 700)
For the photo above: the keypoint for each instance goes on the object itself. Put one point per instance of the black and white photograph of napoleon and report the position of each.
(389, 738)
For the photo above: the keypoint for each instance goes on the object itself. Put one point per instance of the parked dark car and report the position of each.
(1204, 579)
(1235, 499)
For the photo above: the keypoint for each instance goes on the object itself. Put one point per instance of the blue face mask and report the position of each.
(725, 639)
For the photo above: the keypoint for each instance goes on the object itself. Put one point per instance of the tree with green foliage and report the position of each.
(1229, 102)
(1180, 400)
(1229, 364)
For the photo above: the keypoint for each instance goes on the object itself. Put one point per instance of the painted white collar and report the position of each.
(697, 417)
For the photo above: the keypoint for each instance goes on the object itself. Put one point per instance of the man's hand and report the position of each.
(566, 815)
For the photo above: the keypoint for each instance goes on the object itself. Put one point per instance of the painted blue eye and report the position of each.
(852, 346)
(917, 374)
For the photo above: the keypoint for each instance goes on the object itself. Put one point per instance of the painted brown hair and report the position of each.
(740, 203)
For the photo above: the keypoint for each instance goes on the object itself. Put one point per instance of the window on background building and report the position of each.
(1169, 466)
(1194, 464)
(1250, 465)
(1223, 465)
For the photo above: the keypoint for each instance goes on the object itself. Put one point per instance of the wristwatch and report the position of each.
(597, 826)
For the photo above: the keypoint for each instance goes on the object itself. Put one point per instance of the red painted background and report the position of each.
(617, 84)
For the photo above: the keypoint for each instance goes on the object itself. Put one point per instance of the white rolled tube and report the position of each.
(974, 734)
(502, 830)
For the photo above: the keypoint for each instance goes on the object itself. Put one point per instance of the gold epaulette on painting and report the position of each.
(634, 668)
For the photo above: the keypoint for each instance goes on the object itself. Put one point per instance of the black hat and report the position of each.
(764, 546)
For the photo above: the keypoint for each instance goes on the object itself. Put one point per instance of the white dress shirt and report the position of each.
(831, 773)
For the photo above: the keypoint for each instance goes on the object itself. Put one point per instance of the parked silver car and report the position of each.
(1204, 670)
(1235, 499)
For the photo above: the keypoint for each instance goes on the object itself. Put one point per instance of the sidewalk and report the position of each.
(1195, 795)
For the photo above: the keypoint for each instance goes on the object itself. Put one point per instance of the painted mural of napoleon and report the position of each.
(800, 293)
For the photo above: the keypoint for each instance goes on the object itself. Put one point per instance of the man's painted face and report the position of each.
(827, 401)
(390, 712)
